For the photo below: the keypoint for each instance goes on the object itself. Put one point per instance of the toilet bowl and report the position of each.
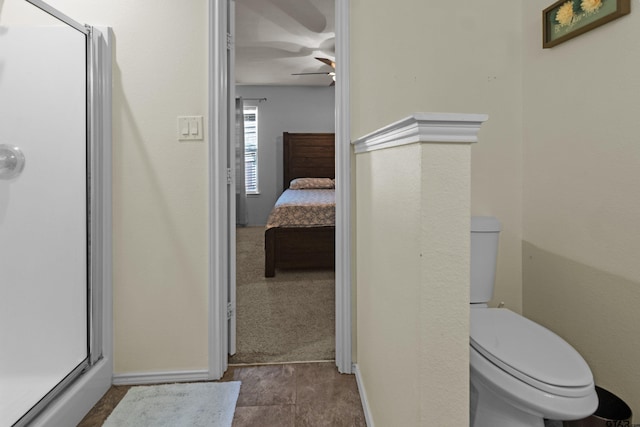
(520, 372)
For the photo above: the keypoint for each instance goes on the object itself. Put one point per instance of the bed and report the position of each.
(303, 240)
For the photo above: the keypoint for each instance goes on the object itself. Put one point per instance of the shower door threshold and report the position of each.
(20, 389)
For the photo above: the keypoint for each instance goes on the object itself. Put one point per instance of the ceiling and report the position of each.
(275, 38)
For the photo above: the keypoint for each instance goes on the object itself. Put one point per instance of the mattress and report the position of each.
(304, 208)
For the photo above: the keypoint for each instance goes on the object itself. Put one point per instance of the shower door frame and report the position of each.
(68, 402)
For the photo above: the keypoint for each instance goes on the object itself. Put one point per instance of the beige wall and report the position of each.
(413, 283)
(159, 185)
(581, 194)
(409, 56)
(413, 56)
(388, 272)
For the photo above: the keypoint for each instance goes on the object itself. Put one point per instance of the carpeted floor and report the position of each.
(286, 318)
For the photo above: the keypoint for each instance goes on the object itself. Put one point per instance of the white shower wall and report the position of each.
(43, 238)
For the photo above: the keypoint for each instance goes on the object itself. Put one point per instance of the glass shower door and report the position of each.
(44, 293)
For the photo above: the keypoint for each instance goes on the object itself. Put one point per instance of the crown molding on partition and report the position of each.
(423, 127)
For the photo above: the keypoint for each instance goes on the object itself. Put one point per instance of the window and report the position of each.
(251, 150)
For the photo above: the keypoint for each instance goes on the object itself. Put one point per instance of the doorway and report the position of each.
(220, 214)
(288, 317)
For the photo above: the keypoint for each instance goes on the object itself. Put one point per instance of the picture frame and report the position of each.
(566, 19)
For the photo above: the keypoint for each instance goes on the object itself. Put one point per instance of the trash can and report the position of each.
(611, 412)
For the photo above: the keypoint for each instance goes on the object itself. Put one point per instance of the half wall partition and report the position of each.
(53, 200)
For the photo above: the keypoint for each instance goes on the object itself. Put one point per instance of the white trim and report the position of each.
(230, 164)
(368, 418)
(343, 192)
(101, 162)
(160, 377)
(105, 82)
(218, 248)
(218, 230)
(424, 127)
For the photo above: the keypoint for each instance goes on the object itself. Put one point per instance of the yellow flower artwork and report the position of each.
(565, 13)
(566, 19)
(590, 6)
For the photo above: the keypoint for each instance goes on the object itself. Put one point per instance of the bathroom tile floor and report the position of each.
(287, 395)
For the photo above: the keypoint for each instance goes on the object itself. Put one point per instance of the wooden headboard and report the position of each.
(308, 155)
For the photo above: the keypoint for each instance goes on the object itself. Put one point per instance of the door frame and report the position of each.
(218, 122)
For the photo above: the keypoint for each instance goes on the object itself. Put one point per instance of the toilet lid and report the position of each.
(528, 351)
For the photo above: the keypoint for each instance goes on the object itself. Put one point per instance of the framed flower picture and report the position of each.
(566, 19)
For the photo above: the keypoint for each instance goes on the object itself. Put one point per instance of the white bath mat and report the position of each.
(177, 405)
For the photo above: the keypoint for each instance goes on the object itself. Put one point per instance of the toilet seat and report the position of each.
(529, 352)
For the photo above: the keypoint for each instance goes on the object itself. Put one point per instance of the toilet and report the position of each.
(521, 373)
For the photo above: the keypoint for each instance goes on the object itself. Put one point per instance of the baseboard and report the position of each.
(160, 377)
(363, 396)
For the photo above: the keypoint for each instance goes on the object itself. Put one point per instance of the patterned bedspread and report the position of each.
(304, 208)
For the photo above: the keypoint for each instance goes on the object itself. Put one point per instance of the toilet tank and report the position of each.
(484, 255)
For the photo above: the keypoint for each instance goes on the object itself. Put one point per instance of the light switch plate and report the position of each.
(190, 128)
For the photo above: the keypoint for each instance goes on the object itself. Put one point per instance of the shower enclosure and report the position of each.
(54, 215)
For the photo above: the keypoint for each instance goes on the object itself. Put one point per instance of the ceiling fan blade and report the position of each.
(327, 61)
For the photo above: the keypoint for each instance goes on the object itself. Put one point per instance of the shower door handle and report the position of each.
(11, 161)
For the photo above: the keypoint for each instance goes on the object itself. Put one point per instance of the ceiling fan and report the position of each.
(331, 73)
